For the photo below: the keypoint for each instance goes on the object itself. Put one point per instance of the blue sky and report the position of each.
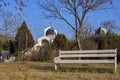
(37, 23)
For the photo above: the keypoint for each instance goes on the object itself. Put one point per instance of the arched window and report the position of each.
(45, 42)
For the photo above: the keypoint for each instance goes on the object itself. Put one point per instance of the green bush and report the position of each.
(44, 53)
(60, 42)
(89, 44)
(5, 45)
(72, 45)
(15, 54)
(110, 41)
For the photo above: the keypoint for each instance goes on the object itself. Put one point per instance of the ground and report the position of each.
(45, 71)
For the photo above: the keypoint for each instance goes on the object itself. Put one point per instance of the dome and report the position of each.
(50, 31)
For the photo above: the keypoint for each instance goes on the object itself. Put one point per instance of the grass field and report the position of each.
(45, 71)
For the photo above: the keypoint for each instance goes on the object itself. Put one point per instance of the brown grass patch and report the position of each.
(45, 71)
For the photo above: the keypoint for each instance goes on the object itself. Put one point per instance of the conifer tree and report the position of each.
(24, 38)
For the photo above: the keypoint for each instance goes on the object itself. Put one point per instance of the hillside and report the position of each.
(45, 71)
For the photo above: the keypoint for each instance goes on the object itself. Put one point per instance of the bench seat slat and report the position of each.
(85, 61)
(87, 55)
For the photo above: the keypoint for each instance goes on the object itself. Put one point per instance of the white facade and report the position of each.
(103, 30)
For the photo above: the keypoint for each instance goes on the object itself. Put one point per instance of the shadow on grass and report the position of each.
(83, 68)
(87, 69)
(73, 69)
(46, 68)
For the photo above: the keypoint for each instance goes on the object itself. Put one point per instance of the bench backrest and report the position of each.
(88, 53)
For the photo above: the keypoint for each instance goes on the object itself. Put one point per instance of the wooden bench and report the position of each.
(86, 56)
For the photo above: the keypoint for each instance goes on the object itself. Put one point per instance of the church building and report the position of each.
(48, 37)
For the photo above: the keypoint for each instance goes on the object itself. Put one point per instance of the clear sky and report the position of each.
(37, 23)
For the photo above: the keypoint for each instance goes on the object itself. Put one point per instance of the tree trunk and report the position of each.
(79, 43)
(79, 36)
(78, 39)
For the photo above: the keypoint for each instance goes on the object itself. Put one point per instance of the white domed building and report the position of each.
(48, 37)
(101, 31)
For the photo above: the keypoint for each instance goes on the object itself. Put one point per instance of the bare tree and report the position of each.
(20, 4)
(87, 31)
(77, 9)
(10, 23)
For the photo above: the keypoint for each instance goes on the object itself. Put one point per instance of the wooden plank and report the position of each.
(85, 61)
(89, 51)
(87, 55)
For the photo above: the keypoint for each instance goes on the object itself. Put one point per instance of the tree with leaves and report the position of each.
(76, 9)
(24, 38)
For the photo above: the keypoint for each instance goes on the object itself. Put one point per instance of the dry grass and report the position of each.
(45, 71)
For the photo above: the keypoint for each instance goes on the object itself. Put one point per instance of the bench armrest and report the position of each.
(56, 59)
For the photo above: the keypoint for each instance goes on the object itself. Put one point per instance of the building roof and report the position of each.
(50, 31)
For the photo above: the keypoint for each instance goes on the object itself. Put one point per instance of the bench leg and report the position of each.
(79, 58)
(56, 66)
(115, 64)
